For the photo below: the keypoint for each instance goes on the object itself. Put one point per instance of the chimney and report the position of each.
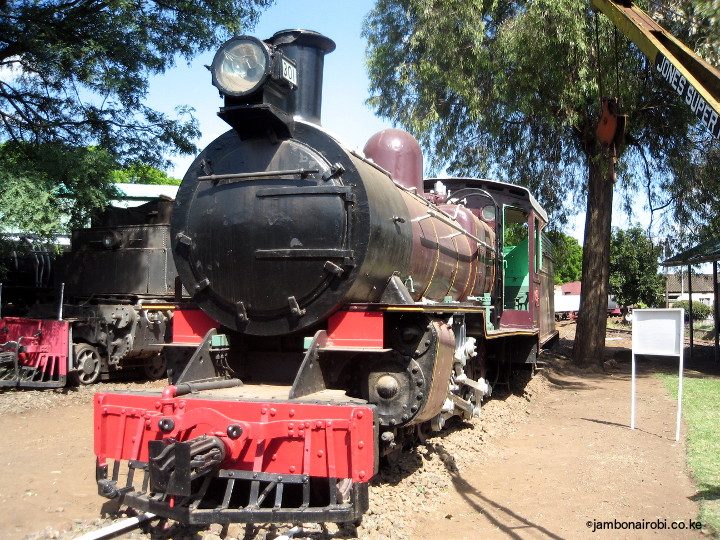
(307, 49)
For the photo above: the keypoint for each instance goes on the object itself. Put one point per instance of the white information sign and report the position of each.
(658, 332)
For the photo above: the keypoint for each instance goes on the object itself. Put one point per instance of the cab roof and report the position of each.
(491, 185)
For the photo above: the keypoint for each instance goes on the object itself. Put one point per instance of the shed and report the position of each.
(706, 252)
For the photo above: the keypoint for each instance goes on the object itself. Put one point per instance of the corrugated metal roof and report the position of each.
(702, 253)
(572, 287)
(700, 283)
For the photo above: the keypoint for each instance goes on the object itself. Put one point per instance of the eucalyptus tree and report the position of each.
(567, 254)
(512, 90)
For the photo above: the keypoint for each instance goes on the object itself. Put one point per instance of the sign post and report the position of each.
(658, 332)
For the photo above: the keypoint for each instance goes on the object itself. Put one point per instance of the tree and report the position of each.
(140, 173)
(50, 187)
(76, 71)
(512, 90)
(633, 268)
(568, 257)
(696, 193)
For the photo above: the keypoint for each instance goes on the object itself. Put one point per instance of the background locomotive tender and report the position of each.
(114, 309)
(352, 307)
(28, 277)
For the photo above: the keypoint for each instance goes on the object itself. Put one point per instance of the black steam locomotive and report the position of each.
(103, 306)
(353, 307)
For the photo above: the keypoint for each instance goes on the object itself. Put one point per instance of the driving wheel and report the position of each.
(87, 364)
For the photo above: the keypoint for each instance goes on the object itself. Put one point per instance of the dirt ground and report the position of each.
(576, 462)
(539, 463)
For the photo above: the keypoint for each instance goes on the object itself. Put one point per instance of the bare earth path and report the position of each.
(539, 465)
(575, 462)
(48, 475)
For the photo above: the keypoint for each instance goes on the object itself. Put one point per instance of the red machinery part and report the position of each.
(356, 329)
(44, 350)
(189, 326)
(331, 441)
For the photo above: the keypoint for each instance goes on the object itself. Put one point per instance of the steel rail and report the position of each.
(117, 528)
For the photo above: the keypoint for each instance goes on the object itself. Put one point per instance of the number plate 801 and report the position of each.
(289, 72)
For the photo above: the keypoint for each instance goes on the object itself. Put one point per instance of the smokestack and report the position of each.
(307, 49)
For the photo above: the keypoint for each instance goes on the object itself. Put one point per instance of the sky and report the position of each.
(345, 86)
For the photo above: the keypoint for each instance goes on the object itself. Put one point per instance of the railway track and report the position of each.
(118, 528)
(127, 525)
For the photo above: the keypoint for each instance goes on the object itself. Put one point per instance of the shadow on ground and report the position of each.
(500, 515)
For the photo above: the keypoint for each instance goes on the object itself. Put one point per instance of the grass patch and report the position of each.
(703, 330)
(701, 412)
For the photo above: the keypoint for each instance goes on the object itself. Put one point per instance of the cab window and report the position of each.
(516, 249)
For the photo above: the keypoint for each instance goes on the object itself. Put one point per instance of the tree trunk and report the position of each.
(592, 318)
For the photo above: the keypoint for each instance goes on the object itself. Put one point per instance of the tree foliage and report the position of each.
(568, 257)
(696, 193)
(511, 90)
(51, 187)
(76, 71)
(140, 173)
(700, 311)
(634, 277)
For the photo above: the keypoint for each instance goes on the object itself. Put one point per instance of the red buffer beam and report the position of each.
(332, 441)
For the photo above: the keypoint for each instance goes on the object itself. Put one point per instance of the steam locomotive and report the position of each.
(113, 311)
(348, 307)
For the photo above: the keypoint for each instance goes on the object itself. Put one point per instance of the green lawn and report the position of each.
(701, 412)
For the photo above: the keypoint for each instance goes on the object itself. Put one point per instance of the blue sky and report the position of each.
(345, 87)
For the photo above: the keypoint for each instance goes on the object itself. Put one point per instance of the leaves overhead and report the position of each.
(697, 195)
(511, 90)
(51, 187)
(76, 71)
(139, 173)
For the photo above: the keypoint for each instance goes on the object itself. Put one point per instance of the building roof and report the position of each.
(706, 252)
(144, 192)
(700, 283)
(573, 287)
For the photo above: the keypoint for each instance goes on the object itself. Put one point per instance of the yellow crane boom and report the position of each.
(694, 80)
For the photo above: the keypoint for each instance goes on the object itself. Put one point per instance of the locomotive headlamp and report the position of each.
(110, 240)
(241, 66)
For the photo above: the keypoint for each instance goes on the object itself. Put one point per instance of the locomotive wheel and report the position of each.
(88, 364)
(155, 367)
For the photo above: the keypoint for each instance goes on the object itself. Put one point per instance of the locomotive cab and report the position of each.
(521, 290)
